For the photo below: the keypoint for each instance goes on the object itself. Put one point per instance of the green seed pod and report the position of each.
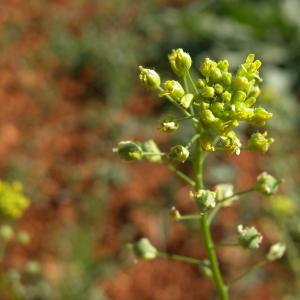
(172, 88)
(267, 184)
(208, 92)
(143, 249)
(249, 237)
(239, 96)
(241, 84)
(129, 150)
(206, 66)
(205, 199)
(259, 142)
(226, 97)
(223, 65)
(218, 88)
(6, 232)
(169, 124)
(179, 153)
(276, 251)
(226, 78)
(149, 78)
(180, 62)
(186, 100)
(150, 146)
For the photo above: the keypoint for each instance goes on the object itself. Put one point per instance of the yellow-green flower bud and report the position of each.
(231, 143)
(260, 116)
(201, 83)
(179, 153)
(218, 88)
(226, 97)
(149, 78)
(169, 124)
(226, 78)
(241, 83)
(250, 101)
(129, 150)
(6, 232)
(215, 74)
(223, 65)
(254, 92)
(207, 116)
(276, 251)
(249, 237)
(180, 62)
(143, 249)
(206, 66)
(207, 141)
(259, 142)
(267, 184)
(173, 88)
(239, 96)
(186, 100)
(205, 199)
(151, 147)
(208, 92)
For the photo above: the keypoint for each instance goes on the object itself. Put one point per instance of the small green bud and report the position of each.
(223, 65)
(250, 101)
(239, 96)
(150, 146)
(215, 74)
(179, 153)
(149, 78)
(143, 249)
(180, 62)
(206, 269)
(23, 237)
(267, 184)
(207, 141)
(231, 143)
(218, 88)
(201, 83)
(255, 91)
(172, 88)
(207, 116)
(226, 78)
(206, 66)
(241, 83)
(205, 199)
(226, 97)
(208, 92)
(6, 232)
(249, 237)
(186, 100)
(217, 108)
(260, 116)
(276, 251)
(129, 150)
(169, 124)
(174, 214)
(259, 142)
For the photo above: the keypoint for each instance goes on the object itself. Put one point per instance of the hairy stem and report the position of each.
(205, 230)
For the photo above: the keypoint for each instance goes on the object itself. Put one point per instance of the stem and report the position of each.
(192, 82)
(228, 245)
(192, 141)
(189, 217)
(190, 260)
(181, 175)
(249, 271)
(205, 230)
(186, 87)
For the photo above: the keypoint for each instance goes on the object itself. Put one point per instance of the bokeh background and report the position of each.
(69, 92)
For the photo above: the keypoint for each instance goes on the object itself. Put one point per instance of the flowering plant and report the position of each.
(217, 104)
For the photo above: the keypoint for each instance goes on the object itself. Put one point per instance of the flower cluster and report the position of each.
(12, 201)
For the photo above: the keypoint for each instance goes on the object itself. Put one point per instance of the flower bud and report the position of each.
(186, 100)
(231, 143)
(174, 214)
(217, 108)
(226, 78)
(259, 142)
(172, 88)
(223, 65)
(241, 83)
(207, 141)
(201, 83)
(206, 269)
(180, 62)
(276, 251)
(218, 88)
(129, 150)
(169, 124)
(150, 146)
(267, 184)
(260, 116)
(250, 101)
(255, 91)
(226, 97)
(143, 249)
(207, 116)
(224, 190)
(239, 96)
(206, 66)
(205, 199)
(215, 74)
(179, 153)
(6, 232)
(249, 237)
(149, 78)
(208, 92)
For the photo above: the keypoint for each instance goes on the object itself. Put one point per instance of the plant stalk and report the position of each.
(205, 230)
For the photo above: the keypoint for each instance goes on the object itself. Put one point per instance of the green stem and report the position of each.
(181, 175)
(189, 217)
(192, 82)
(205, 230)
(249, 271)
(228, 245)
(190, 260)
(192, 141)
